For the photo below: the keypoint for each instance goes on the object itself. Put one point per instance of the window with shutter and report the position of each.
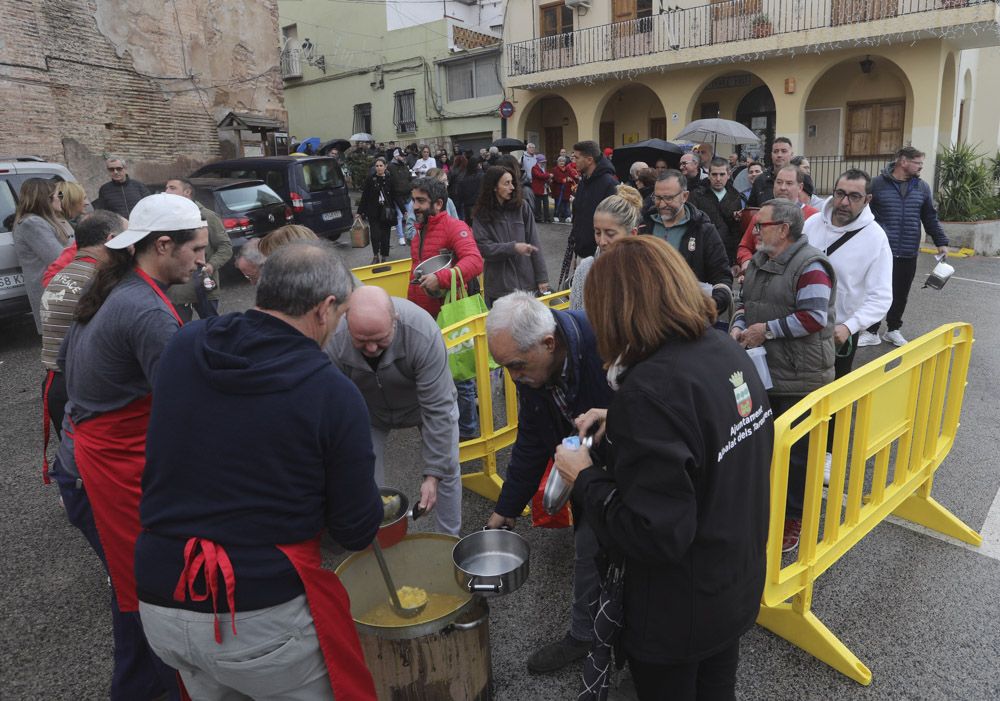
(474, 78)
(363, 118)
(405, 111)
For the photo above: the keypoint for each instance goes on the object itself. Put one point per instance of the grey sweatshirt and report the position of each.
(37, 245)
(411, 385)
(505, 270)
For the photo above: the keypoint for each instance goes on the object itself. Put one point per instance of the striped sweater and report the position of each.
(59, 304)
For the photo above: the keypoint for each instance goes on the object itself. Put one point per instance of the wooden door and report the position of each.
(658, 128)
(874, 128)
(607, 135)
(553, 142)
(623, 10)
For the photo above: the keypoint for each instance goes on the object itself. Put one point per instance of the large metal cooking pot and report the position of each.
(430, 266)
(418, 560)
(491, 562)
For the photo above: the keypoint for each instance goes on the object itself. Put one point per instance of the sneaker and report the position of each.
(790, 539)
(568, 220)
(867, 338)
(558, 654)
(402, 241)
(827, 463)
(895, 337)
(555, 219)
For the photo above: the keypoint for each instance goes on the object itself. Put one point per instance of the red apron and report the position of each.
(110, 454)
(328, 602)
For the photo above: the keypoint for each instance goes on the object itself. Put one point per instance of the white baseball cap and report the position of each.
(162, 212)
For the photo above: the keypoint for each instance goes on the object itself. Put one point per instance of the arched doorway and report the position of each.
(756, 112)
(742, 97)
(551, 125)
(965, 107)
(631, 113)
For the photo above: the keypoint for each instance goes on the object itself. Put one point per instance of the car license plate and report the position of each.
(11, 281)
(330, 216)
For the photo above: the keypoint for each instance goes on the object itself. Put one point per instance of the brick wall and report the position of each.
(80, 79)
(468, 39)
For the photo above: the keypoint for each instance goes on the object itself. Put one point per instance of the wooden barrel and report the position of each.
(453, 664)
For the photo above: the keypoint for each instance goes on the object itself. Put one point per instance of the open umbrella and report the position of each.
(506, 144)
(339, 144)
(361, 136)
(312, 141)
(718, 131)
(649, 151)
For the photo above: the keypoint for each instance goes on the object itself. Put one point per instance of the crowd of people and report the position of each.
(212, 543)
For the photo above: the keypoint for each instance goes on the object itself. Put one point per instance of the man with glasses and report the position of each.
(122, 193)
(847, 233)
(692, 233)
(901, 202)
(788, 184)
(788, 308)
(394, 352)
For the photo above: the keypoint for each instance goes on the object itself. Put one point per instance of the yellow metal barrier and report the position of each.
(905, 407)
(393, 276)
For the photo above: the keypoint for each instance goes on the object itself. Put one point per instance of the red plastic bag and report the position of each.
(539, 517)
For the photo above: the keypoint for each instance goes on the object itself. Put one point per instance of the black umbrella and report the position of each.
(649, 151)
(339, 144)
(506, 144)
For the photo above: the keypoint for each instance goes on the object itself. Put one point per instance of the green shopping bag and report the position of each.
(460, 305)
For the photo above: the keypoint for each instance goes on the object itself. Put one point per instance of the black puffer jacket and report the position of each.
(120, 198)
(690, 514)
(589, 193)
(701, 247)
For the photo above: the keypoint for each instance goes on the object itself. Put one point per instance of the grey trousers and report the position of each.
(274, 655)
(586, 582)
(448, 510)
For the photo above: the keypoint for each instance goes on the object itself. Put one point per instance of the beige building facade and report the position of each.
(404, 72)
(848, 81)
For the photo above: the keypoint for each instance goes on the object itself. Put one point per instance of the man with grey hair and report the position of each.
(633, 172)
(788, 308)
(394, 352)
(528, 160)
(122, 192)
(241, 507)
(552, 357)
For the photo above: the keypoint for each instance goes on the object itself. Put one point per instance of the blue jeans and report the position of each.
(468, 412)
(138, 673)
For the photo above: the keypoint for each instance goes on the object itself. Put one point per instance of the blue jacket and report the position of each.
(255, 440)
(901, 214)
(540, 425)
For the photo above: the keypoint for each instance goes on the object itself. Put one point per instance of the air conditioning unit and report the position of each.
(578, 4)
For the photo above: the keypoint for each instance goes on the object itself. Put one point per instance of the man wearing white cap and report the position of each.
(110, 357)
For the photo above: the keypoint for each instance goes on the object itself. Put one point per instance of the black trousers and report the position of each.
(57, 399)
(798, 458)
(380, 236)
(711, 679)
(903, 272)
(842, 364)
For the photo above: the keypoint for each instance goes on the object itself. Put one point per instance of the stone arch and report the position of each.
(741, 96)
(965, 110)
(948, 106)
(550, 121)
(627, 113)
(842, 89)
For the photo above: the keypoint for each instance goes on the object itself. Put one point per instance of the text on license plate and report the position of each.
(327, 216)
(9, 281)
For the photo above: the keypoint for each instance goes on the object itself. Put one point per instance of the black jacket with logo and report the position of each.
(685, 500)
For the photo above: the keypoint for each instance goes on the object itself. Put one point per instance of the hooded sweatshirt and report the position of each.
(255, 440)
(863, 266)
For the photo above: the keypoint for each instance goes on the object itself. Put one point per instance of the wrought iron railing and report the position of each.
(826, 169)
(717, 23)
(291, 64)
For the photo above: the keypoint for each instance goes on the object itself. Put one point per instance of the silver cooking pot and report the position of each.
(491, 562)
(430, 266)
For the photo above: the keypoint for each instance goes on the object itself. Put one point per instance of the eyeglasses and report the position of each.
(116, 169)
(761, 224)
(667, 198)
(854, 197)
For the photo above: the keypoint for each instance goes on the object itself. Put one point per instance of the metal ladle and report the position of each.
(397, 607)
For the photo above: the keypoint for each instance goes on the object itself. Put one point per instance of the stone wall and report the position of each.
(144, 79)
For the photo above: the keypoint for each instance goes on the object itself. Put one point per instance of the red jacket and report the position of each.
(563, 178)
(540, 179)
(443, 233)
(748, 244)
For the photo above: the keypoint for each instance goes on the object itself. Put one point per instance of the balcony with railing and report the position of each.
(291, 64)
(737, 28)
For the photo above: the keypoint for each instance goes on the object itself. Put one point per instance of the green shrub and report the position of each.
(967, 189)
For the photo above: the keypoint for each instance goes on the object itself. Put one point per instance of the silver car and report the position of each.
(13, 172)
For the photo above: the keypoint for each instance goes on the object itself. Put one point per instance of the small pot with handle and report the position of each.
(491, 562)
